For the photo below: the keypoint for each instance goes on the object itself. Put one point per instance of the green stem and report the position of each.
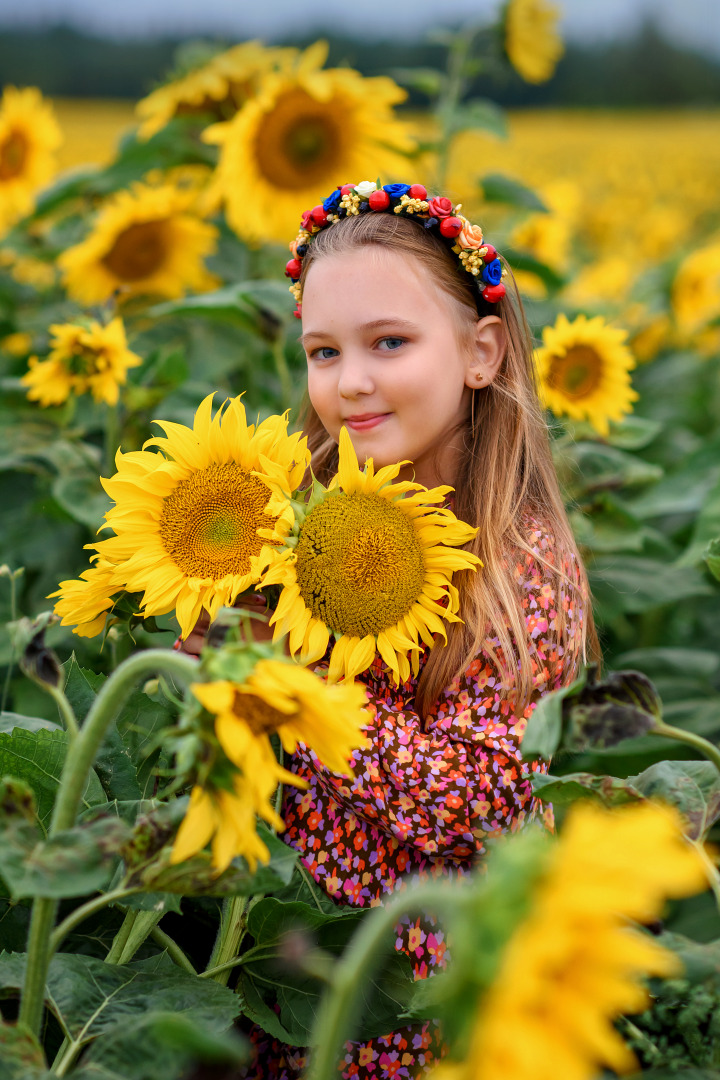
(341, 1002)
(65, 709)
(142, 927)
(121, 938)
(13, 576)
(283, 371)
(706, 748)
(78, 763)
(232, 930)
(711, 868)
(112, 428)
(173, 950)
(84, 912)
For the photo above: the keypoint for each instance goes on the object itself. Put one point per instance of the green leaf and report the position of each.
(427, 80)
(633, 432)
(630, 585)
(257, 306)
(81, 496)
(89, 997)
(496, 187)
(563, 790)
(37, 757)
(477, 115)
(10, 720)
(545, 726)
(21, 1055)
(706, 529)
(71, 863)
(712, 557)
(692, 786)
(522, 260)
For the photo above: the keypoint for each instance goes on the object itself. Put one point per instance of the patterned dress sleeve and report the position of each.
(446, 788)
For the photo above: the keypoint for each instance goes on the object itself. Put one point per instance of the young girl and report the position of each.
(422, 361)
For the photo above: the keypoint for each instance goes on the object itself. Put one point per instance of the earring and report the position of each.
(472, 414)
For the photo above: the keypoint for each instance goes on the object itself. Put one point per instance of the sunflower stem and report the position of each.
(122, 937)
(78, 763)
(283, 371)
(112, 430)
(173, 950)
(83, 912)
(233, 924)
(65, 709)
(706, 748)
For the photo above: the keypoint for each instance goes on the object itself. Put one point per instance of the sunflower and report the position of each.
(531, 40)
(696, 289)
(84, 604)
(146, 241)
(84, 358)
(372, 565)
(573, 964)
(217, 88)
(226, 819)
(29, 137)
(192, 521)
(304, 132)
(583, 370)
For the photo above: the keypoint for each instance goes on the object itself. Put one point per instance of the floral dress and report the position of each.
(424, 800)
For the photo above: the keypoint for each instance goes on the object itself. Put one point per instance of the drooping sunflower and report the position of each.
(29, 137)
(532, 43)
(85, 602)
(573, 964)
(372, 566)
(146, 241)
(305, 131)
(192, 520)
(218, 87)
(84, 358)
(584, 371)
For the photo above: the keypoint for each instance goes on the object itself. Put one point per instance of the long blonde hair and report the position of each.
(506, 476)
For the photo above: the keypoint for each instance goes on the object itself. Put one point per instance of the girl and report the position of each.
(421, 361)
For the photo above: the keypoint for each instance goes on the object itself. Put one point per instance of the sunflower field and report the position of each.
(151, 379)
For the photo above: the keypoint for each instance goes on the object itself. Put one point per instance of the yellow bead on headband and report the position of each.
(437, 213)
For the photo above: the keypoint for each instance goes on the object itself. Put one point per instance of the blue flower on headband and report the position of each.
(395, 191)
(492, 272)
(332, 202)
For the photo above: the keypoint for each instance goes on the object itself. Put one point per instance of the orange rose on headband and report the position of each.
(470, 236)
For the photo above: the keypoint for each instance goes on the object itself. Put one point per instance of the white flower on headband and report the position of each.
(366, 188)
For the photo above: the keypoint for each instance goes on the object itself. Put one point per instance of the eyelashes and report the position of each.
(391, 342)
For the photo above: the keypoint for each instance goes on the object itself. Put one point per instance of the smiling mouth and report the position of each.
(364, 421)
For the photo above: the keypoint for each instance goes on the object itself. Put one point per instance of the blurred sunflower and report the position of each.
(85, 357)
(192, 520)
(532, 43)
(217, 87)
(306, 131)
(372, 566)
(546, 237)
(583, 371)
(29, 137)
(573, 964)
(85, 603)
(696, 289)
(145, 241)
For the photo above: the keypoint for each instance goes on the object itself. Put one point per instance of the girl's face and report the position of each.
(384, 360)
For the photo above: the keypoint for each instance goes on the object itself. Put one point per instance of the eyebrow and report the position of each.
(376, 324)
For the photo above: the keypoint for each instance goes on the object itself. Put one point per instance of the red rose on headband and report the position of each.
(440, 207)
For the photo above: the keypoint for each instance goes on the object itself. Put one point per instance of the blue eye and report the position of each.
(391, 343)
(322, 353)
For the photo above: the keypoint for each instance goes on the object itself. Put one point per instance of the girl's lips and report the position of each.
(363, 423)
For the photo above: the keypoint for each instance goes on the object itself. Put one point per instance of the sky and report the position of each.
(690, 22)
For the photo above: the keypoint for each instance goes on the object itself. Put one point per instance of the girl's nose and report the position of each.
(354, 379)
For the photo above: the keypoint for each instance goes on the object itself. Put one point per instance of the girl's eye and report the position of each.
(323, 353)
(390, 344)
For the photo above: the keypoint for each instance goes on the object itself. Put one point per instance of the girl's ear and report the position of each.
(487, 352)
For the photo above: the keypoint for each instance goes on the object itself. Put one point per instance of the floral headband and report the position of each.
(438, 213)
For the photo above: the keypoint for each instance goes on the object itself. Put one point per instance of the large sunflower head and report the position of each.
(85, 358)
(584, 371)
(193, 516)
(531, 41)
(146, 241)
(216, 87)
(29, 137)
(305, 130)
(371, 565)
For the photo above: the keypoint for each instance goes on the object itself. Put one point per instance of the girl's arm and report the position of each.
(445, 789)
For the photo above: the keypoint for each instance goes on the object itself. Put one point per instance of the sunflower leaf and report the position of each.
(712, 557)
(496, 187)
(563, 790)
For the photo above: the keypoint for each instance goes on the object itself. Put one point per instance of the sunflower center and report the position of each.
(360, 564)
(210, 521)
(577, 373)
(299, 141)
(261, 718)
(138, 251)
(84, 361)
(13, 152)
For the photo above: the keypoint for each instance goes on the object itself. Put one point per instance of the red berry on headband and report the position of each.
(491, 253)
(293, 268)
(493, 293)
(450, 226)
(346, 189)
(318, 215)
(379, 200)
(417, 191)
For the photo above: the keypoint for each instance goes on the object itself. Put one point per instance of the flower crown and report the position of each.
(437, 213)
